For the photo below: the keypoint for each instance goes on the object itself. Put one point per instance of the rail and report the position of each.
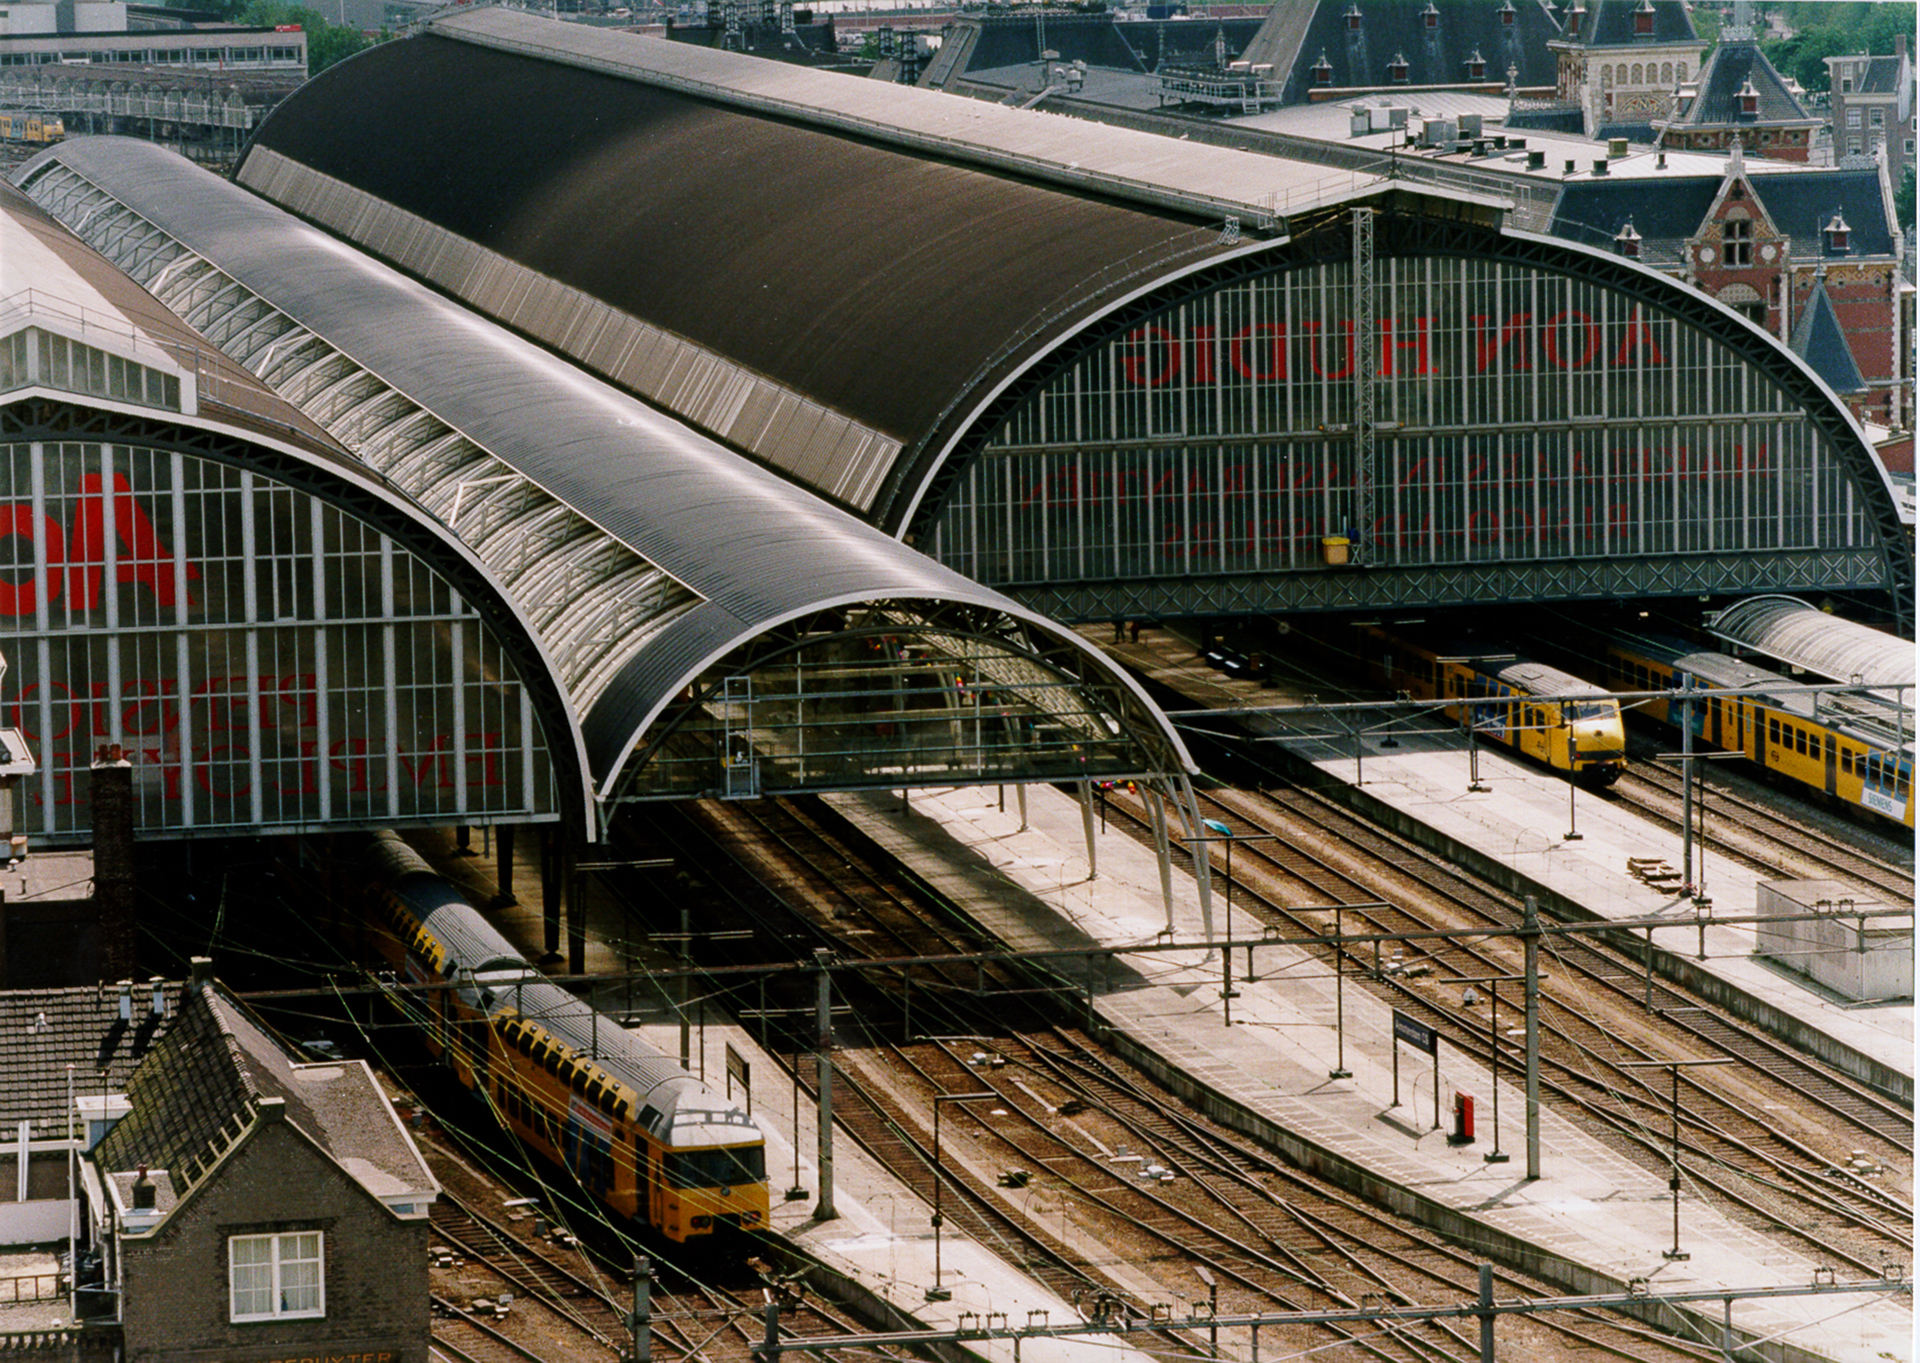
(46, 1287)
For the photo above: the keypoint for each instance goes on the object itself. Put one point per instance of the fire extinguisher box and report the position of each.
(1462, 1120)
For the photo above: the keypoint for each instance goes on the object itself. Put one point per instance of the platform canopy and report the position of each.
(1803, 636)
(716, 628)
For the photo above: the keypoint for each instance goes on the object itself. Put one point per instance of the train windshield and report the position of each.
(1589, 709)
(717, 1168)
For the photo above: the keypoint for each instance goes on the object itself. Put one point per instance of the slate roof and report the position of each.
(1666, 212)
(1394, 28)
(1818, 339)
(1881, 76)
(1802, 203)
(1609, 23)
(82, 1028)
(197, 1093)
(1729, 67)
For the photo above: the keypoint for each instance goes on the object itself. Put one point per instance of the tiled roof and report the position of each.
(1818, 339)
(1609, 23)
(1803, 203)
(1667, 211)
(1434, 55)
(1729, 67)
(1881, 76)
(200, 1088)
(82, 1028)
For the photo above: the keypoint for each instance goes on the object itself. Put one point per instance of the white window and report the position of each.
(276, 1276)
(1853, 118)
(1877, 117)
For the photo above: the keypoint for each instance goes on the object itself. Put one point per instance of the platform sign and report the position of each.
(1415, 1033)
(738, 1068)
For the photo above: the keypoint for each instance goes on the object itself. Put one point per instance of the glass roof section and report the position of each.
(592, 600)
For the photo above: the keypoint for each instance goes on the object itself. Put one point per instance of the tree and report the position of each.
(1903, 205)
(326, 43)
(1824, 31)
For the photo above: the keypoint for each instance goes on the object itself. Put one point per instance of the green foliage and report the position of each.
(1823, 30)
(1903, 201)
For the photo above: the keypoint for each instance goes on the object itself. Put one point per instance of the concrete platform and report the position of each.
(1514, 832)
(1593, 1222)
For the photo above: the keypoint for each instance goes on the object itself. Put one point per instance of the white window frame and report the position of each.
(1853, 118)
(280, 1258)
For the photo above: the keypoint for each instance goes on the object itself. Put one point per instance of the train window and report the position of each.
(1846, 761)
(716, 1168)
(1773, 731)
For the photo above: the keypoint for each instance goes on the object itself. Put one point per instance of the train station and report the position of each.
(733, 444)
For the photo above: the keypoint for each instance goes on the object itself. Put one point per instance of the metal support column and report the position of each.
(641, 1322)
(503, 874)
(1365, 349)
(823, 1209)
(1086, 818)
(1202, 868)
(1156, 806)
(1530, 939)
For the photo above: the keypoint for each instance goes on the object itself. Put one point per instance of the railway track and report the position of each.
(1761, 837)
(1774, 1179)
(1255, 1253)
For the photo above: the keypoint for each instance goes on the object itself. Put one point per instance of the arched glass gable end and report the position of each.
(266, 659)
(890, 694)
(1544, 423)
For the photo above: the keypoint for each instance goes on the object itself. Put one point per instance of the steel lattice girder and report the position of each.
(1471, 584)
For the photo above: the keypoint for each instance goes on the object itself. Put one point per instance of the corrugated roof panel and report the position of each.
(1804, 636)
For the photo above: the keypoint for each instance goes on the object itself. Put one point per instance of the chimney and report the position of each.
(126, 1000)
(113, 884)
(144, 1193)
(159, 1005)
(202, 972)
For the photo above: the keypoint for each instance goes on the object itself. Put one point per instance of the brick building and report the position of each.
(1810, 255)
(1872, 106)
(249, 1207)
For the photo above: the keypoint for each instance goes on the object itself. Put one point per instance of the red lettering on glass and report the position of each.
(1313, 352)
(1268, 342)
(1138, 367)
(149, 561)
(20, 598)
(1552, 340)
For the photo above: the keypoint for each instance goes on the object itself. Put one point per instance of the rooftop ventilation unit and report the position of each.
(1470, 126)
(1616, 146)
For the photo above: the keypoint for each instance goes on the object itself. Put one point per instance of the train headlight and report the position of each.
(702, 1222)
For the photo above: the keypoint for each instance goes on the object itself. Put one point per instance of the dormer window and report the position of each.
(1397, 69)
(1430, 17)
(1837, 233)
(1643, 20)
(1353, 18)
(1574, 16)
(1508, 14)
(1749, 99)
(1322, 71)
(1627, 241)
(1476, 66)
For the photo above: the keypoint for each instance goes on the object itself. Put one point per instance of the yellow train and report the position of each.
(1509, 700)
(16, 126)
(1857, 749)
(643, 1136)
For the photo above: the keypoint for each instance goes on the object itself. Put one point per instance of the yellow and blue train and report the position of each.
(643, 1135)
(1854, 748)
(16, 126)
(1539, 711)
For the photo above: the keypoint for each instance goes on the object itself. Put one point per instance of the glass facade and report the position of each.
(1519, 415)
(893, 696)
(264, 660)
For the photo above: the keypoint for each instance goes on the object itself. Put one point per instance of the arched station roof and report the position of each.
(873, 289)
(643, 553)
(96, 374)
(818, 270)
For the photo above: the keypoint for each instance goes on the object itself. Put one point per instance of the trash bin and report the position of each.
(1334, 549)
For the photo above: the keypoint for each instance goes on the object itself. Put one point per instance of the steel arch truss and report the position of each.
(888, 694)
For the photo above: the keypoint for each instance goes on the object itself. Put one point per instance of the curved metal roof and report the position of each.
(816, 269)
(625, 491)
(1804, 636)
